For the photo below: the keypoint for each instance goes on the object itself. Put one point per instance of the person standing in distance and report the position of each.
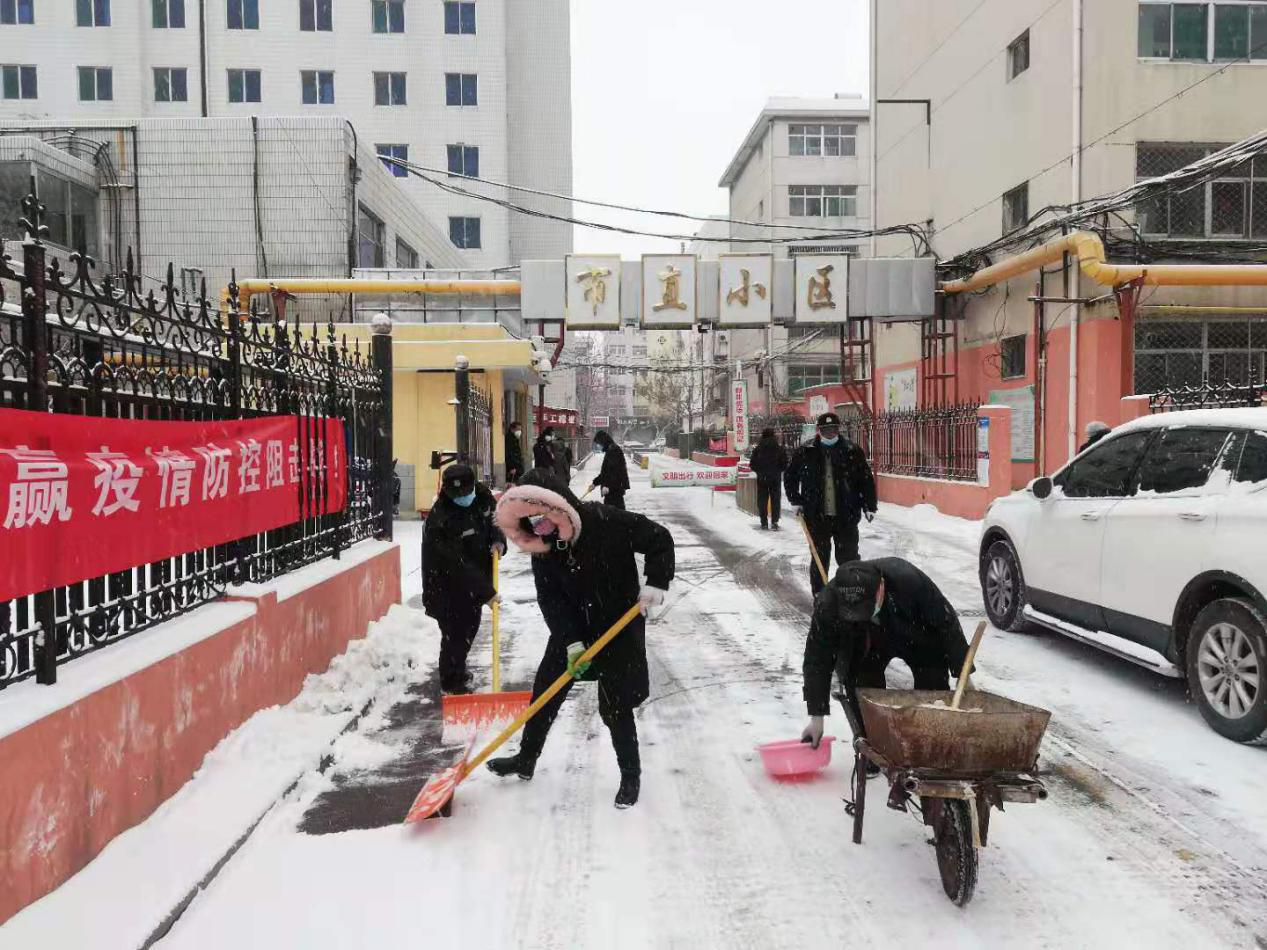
(458, 540)
(613, 477)
(768, 463)
(543, 449)
(514, 453)
(831, 485)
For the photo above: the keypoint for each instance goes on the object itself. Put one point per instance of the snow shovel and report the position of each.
(480, 709)
(813, 549)
(436, 796)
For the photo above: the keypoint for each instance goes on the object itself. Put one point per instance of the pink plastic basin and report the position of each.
(794, 757)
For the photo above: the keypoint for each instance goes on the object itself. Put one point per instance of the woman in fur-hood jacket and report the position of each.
(586, 576)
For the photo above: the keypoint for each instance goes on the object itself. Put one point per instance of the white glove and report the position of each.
(813, 733)
(603, 491)
(870, 516)
(650, 597)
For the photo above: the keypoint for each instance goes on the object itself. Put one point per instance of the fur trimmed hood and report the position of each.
(525, 501)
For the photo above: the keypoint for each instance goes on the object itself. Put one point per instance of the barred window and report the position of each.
(1233, 207)
(822, 139)
(823, 201)
(388, 16)
(1173, 353)
(1203, 32)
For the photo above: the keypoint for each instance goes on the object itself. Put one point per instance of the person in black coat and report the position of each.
(871, 613)
(1095, 432)
(514, 453)
(613, 477)
(831, 497)
(768, 462)
(457, 568)
(587, 578)
(543, 449)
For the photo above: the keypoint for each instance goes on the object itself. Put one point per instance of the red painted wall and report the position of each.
(77, 778)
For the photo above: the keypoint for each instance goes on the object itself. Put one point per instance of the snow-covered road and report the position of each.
(1155, 833)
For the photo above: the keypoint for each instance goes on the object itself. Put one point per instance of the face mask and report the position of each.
(598, 446)
(549, 438)
(465, 500)
(516, 433)
(829, 442)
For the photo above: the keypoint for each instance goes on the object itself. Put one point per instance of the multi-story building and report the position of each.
(987, 113)
(801, 172)
(469, 89)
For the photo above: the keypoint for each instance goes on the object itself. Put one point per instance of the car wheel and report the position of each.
(1002, 587)
(1227, 669)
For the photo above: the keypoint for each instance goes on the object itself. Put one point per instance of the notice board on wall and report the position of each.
(1021, 402)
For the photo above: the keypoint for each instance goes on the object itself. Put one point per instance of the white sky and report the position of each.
(663, 92)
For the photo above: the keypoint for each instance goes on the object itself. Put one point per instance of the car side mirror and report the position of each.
(1040, 487)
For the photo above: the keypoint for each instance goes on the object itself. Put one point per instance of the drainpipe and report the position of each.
(873, 135)
(1074, 289)
(202, 52)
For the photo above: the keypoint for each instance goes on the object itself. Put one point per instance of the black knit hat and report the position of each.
(458, 480)
(828, 419)
(856, 584)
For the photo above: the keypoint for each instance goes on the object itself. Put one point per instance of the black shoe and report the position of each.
(774, 527)
(455, 689)
(516, 765)
(764, 528)
(630, 785)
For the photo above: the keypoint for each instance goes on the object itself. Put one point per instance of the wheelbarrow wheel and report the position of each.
(956, 854)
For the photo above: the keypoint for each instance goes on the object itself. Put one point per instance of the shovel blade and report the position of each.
(436, 797)
(483, 709)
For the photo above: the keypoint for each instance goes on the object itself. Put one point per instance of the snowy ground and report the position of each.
(1155, 833)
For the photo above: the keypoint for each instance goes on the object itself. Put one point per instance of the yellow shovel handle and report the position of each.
(557, 685)
(822, 571)
(497, 630)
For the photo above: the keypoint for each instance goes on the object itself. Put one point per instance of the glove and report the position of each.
(813, 733)
(495, 599)
(603, 491)
(499, 547)
(574, 653)
(869, 515)
(650, 597)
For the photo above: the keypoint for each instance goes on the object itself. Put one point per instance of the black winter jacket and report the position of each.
(855, 485)
(514, 455)
(585, 588)
(613, 476)
(457, 560)
(769, 459)
(542, 454)
(916, 623)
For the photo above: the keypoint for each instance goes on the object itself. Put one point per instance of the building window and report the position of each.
(372, 238)
(460, 89)
(464, 160)
(244, 85)
(464, 232)
(95, 84)
(19, 82)
(388, 16)
(1016, 208)
(70, 212)
(318, 86)
(395, 151)
(1203, 31)
(1018, 56)
(823, 201)
(822, 139)
(1232, 207)
(168, 14)
(459, 16)
(244, 14)
(801, 376)
(92, 12)
(1012, 357)
(1173, 353)
(315, 16)
(169, 84)
(389, 89)
(17, 11)
(406, 256)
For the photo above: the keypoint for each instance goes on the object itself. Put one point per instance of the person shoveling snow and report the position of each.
(586, 577)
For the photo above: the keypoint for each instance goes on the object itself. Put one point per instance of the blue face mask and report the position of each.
(465, 500)
(598, 446)
(829, 442)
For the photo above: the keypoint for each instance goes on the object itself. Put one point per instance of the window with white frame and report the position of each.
(464, 232)
(461, 89)
(822, 201)
(92, 12)
(1231, 207)
(389, 89)
(406, 256)
(243, 14)
(168, 14)
(801, 376)
(15, 12)
(170, 84)
(315, 16)
(464, 160)
(96, 84)
(317, 86)
(822, 139)
(1223, 31)
(395, 151)
(244, 85)
(388, 16)
(1018, 56)
(459, 16)
(1016, 208)
(18, 82)
(372, 238)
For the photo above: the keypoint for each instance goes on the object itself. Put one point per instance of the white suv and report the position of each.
(1151, 544)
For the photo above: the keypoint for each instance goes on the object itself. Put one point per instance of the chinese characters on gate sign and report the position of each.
(820, 296)
(740, 294)
(595, 281)
(671, 277)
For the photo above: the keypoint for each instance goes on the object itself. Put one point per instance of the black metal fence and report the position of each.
(1209, 396)
(939, 442)
(72, 342)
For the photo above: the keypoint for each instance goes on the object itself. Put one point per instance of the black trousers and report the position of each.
(618, 718)
(826, 531)
(615, 499)
(927, 672)
(457, 632)
(769, 499)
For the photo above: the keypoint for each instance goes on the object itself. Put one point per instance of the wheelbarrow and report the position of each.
(955, 765)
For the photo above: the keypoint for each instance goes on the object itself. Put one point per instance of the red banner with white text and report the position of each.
(82, 496)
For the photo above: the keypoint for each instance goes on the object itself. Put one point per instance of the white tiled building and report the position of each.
(438, 82)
